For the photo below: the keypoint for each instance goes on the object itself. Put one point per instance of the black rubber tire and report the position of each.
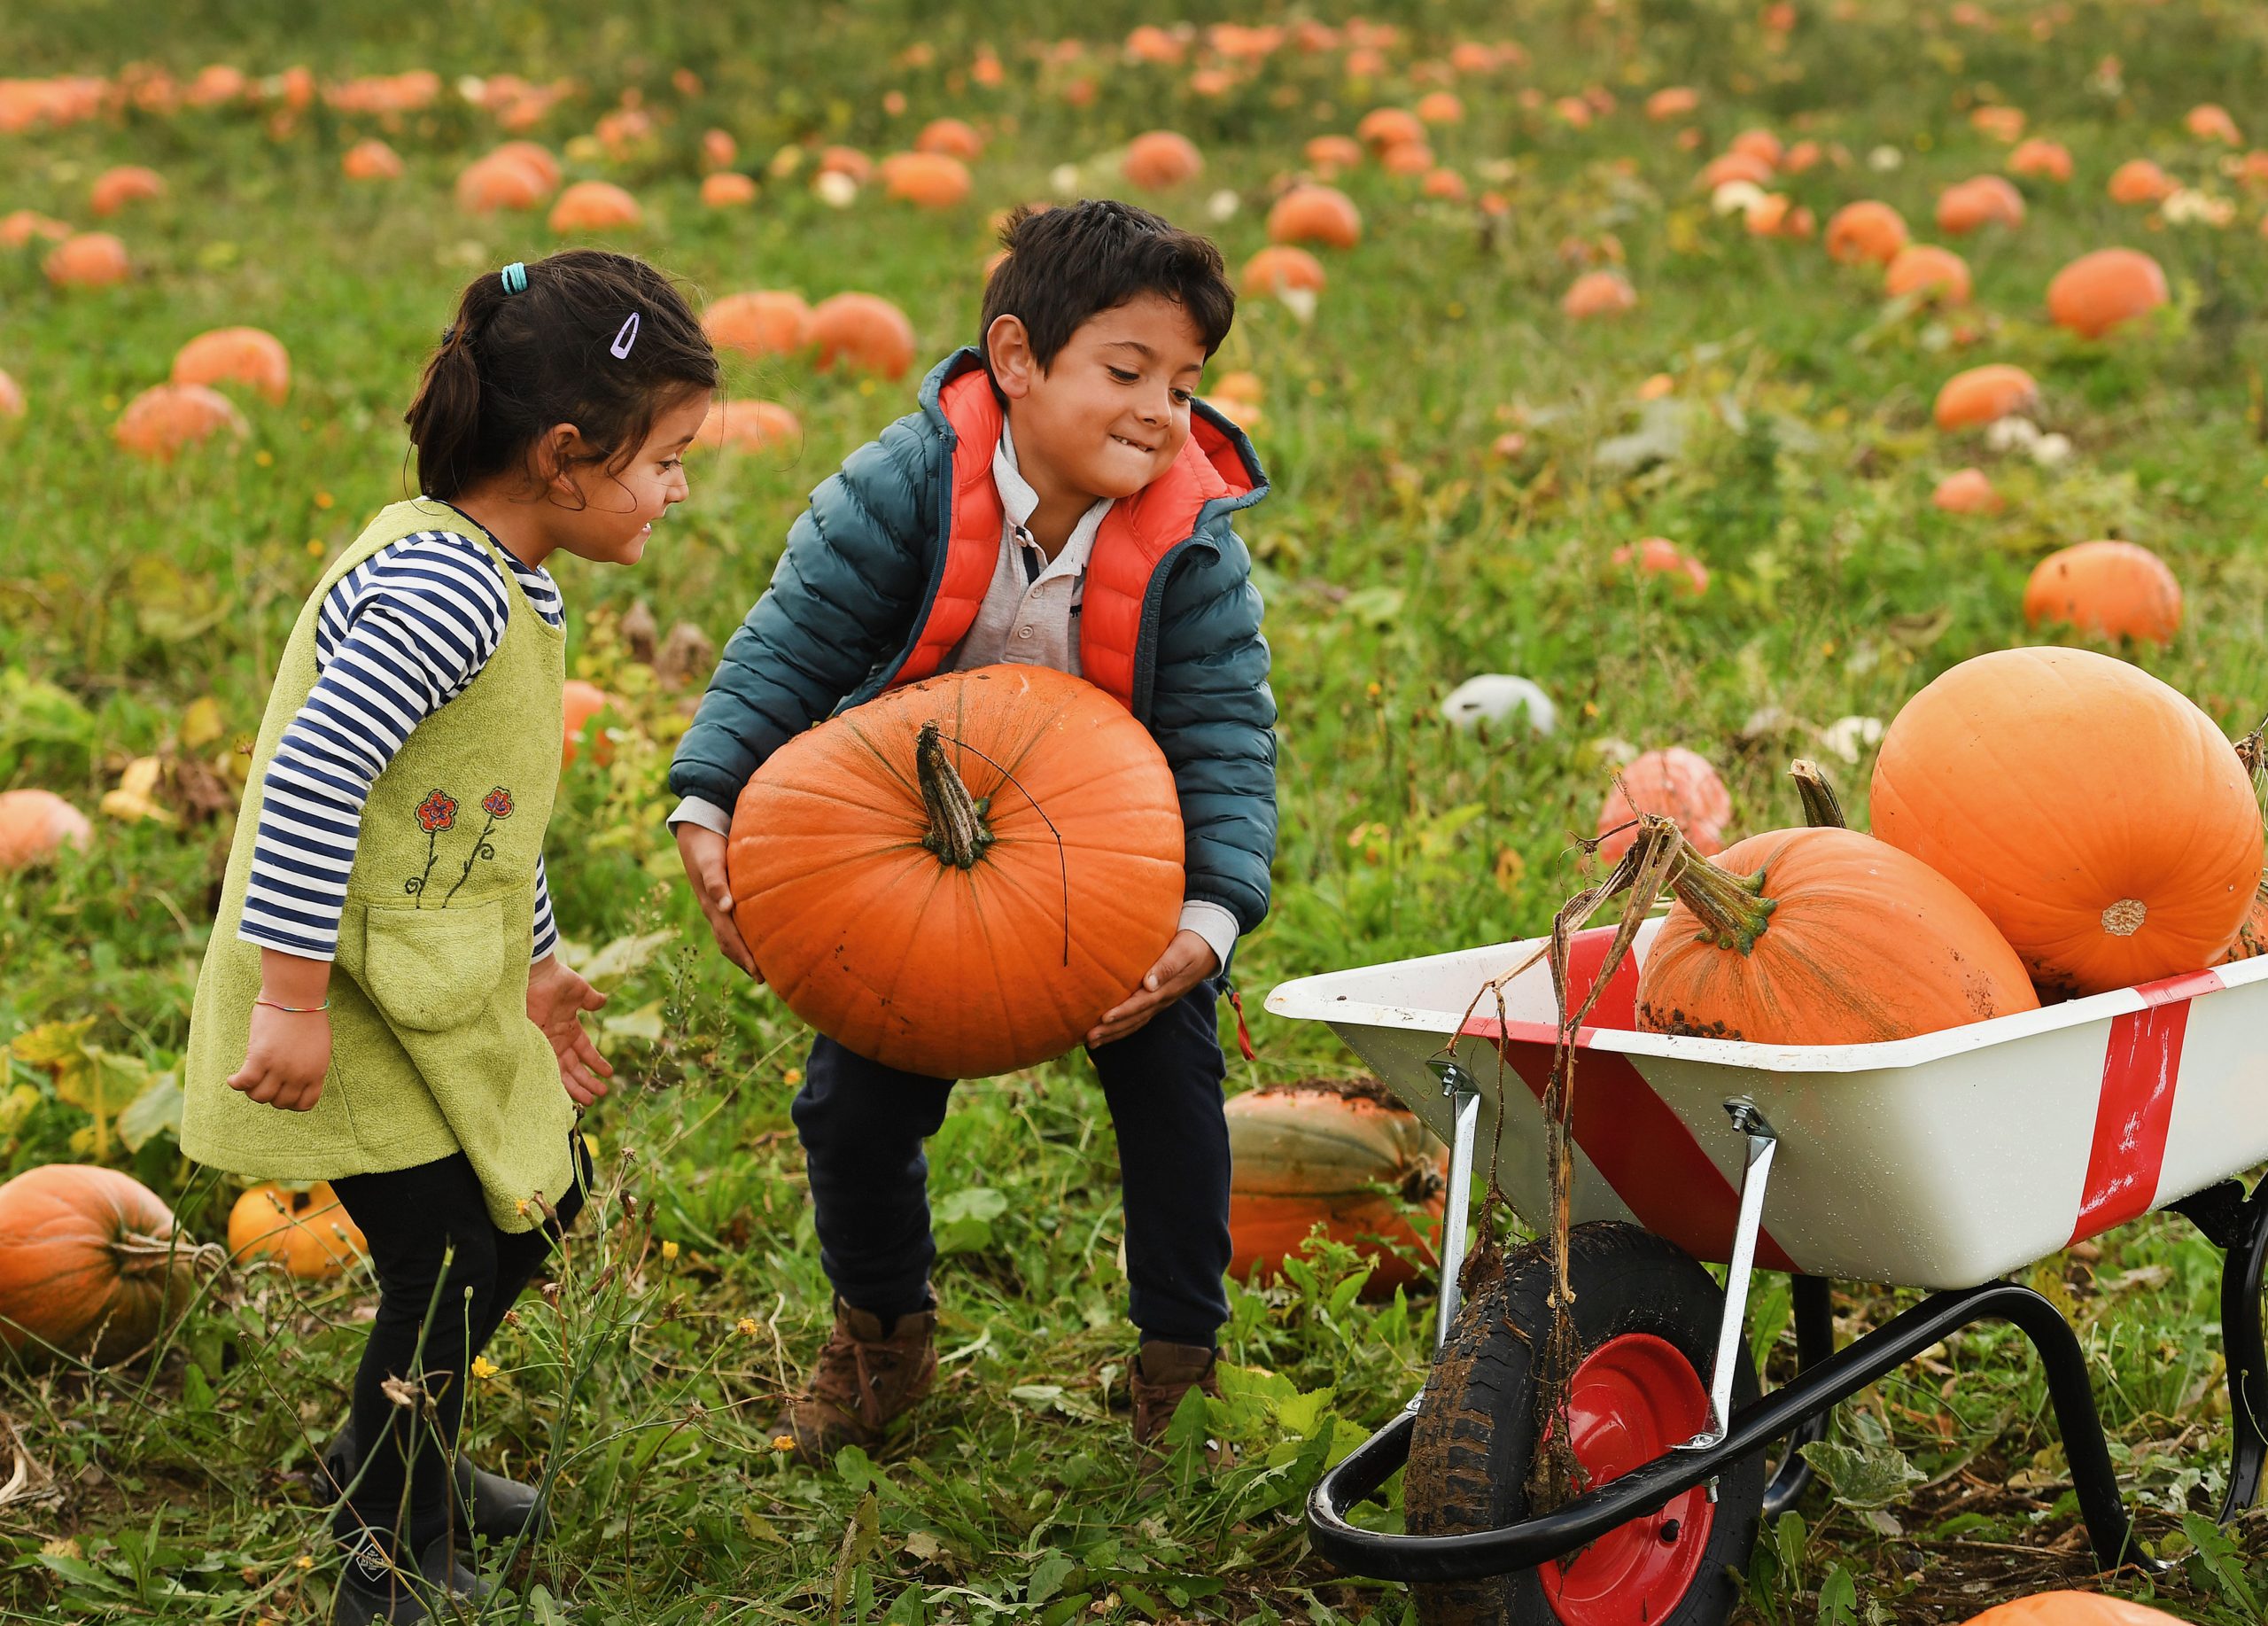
(1475, 1433)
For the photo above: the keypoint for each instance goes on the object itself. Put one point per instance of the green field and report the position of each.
(142, 605)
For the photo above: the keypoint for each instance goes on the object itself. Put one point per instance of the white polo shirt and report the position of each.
(1030, 617)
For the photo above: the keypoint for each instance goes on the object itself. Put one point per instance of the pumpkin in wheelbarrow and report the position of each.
(1347, 1157)
(2072, 1609)
(958, 878)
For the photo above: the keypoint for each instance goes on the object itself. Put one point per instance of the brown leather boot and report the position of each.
(1160, 1374)
(865, 1375)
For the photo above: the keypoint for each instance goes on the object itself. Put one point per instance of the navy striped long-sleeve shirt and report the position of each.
(397, 638)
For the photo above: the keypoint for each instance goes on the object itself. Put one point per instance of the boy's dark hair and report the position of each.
(1067, 263)
(512, 365)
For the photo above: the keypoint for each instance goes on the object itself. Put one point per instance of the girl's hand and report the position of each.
(703, 853)
(556, 999)
(288, 1054)
(1188, 960)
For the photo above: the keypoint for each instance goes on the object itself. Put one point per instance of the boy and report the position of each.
(1060, 499)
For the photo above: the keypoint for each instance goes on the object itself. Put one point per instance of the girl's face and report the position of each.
(607, 517)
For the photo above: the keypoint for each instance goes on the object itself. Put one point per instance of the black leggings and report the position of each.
(409, 1217)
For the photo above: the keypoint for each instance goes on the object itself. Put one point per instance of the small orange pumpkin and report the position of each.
(1865, 230)
(585, 700)
(91, 1265)
(596, 205)
(1924, 270)
(2117, 589)
(2002, 124)
(114, 189)
(11, 397)
(1440, 107)
(918, 908)
(2139, 181)
(1658, 555)
(1728, 167)
(537, 157)
(1347, 1158)
(1676, 783)
(2210, 121)
(1332, 153)
(251, 356)
(1985, 395)
(926, 180)
(1279, 268)
(19, 227)
(1406, 158)
(748, 426)
(1824, 936)
(2103, 868)
(2097, 292)
(371, 160)
(2045, 160)
(762, 322)
(953, 138)
(35, 825)
(500, 180)
(87, 260)
(309, 1232)
(846, 161)
(1313, 213)
(862, 330)
(727, 189)
(166, 418)
(1598, 293)
(1967, 491)
(1158, 160)
(1382, 128)
(1672, 102)
(1973, 205)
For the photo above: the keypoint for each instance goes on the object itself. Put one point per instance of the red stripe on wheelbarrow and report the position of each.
(2141, 1067)
(1640, 1147)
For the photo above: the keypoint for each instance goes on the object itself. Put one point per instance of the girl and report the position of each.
(392, 829)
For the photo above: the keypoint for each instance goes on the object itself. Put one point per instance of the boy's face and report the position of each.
(1109, 415)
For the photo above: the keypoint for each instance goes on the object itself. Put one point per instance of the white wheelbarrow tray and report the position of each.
(1938, 1161)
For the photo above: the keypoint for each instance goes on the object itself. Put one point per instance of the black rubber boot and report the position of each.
(499, 1509)
(373, 1585)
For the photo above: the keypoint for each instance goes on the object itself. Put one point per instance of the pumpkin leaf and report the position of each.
(154, 1112)
(962, 1221)
(1862, 1476)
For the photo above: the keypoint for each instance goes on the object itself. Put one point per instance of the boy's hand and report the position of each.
(287, 1055)
(556, 999)
(1188, 960)
(703, 851)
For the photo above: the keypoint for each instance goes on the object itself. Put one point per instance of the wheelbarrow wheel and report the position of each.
(1646, 1317)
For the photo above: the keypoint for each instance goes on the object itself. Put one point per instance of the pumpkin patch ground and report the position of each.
(1733, 378)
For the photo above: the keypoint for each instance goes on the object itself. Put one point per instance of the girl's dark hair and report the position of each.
(512, 365)
(1073, 262)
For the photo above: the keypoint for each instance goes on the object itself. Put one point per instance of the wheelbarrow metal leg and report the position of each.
(1762, 1143)
(2247, 1351)
(1465, 1097)
(1815, 1343)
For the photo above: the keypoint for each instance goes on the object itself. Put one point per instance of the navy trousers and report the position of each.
(862, 1126)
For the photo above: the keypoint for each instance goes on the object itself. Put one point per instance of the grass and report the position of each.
(1398, 556)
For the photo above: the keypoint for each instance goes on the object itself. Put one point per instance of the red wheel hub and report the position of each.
(1632, 1398)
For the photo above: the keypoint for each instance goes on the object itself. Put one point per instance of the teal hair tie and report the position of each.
(516, 277)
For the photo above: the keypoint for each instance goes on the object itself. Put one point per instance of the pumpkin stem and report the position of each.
(1822, 808)
(958, 833)
(1732, 909)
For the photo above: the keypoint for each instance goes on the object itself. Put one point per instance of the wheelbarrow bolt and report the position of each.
(1668, 1531)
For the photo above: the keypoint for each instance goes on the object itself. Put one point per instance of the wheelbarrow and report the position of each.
(1945, 1162)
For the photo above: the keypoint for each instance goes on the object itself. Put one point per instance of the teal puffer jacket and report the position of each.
(860, 577)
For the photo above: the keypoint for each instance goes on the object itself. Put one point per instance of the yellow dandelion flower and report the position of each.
(305, 1561)
(484, 1368)
(669, 1251)
(783, 1441)
(745, 1326)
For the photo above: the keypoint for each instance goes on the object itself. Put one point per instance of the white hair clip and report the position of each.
(625, 339)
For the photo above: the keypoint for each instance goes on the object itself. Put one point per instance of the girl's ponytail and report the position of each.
(533, 345)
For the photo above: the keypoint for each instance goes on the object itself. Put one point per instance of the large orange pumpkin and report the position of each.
(1348, 1159)
(35, 825)
(309, 1232)
(114, 189)
(1865, 230)
(1676, 783)
(2097, 292)
(596, 205)
(166, 418)
(862, 330)
(2118, 589)
(903, 895)
(2072, 1609)
(535, 157)
(1824, 936)
(87, 260)
(90, 1264)
(1984, 395)
(766, 322)
(250, 356)
(930, 180)
(1923, 270)
(1157, 160)
(1313, 213)
(2103, 868)
(748, 426)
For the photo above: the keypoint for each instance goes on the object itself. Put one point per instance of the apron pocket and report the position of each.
(433, 970)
